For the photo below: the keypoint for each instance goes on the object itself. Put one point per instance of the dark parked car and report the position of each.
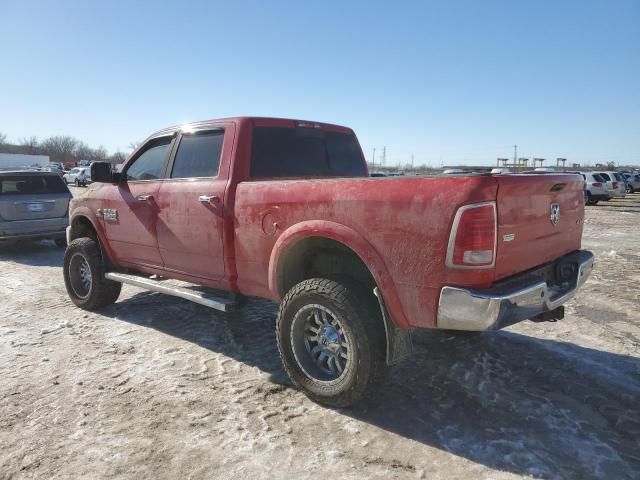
(33, 205)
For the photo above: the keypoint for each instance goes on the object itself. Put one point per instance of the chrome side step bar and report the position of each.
(217, 303)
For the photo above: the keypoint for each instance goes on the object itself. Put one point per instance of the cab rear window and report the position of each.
(31, 184)
(305, 152)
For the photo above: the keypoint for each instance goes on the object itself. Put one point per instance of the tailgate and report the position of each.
(527, 236)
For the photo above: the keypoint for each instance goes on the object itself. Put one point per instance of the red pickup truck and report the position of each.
(285, 210)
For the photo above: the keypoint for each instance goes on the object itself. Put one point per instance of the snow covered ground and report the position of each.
(157, 387)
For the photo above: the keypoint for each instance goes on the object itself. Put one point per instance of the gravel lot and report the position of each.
(158, 387)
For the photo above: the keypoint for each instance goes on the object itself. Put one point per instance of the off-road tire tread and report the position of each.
(368, 334)
(103, 292)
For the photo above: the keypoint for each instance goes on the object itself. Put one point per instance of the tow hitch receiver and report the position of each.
(552, 316)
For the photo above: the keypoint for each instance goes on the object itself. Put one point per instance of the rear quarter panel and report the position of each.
(406, 221)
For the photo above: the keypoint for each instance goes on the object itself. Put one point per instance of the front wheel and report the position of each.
(84, 276)
(331, 340)
(77, 182)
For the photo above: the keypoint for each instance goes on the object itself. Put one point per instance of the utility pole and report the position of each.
(373, 160)
(412, 162)
(515, 154)
(384, 156)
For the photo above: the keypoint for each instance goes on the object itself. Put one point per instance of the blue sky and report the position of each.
(449, 81)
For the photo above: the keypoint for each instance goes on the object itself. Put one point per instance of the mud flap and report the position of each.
(399, 345)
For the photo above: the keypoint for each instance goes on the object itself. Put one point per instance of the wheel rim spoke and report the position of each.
(80, 275)
(325, 341)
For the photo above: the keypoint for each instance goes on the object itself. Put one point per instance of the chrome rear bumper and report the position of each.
(515, 299)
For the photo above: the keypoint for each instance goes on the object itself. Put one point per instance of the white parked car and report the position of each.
(615, 183)
(81, 176)
(595, 188)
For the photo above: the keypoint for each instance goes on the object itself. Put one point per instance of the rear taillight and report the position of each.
(615, 185)
(597, 184)
(472, 241)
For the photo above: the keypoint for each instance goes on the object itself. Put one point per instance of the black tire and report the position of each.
(594, 202)
(61, 242)
(359, 336)
(83, 254)
(77, 182)
(587, 198)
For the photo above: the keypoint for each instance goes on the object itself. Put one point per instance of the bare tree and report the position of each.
(82, 151)
(60, 148)
(118, 157)
(3, 138)
(30, 144)
(100, 154)
(134, 145)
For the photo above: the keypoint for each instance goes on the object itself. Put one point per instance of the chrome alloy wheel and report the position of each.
(80, 275)
(320, 344)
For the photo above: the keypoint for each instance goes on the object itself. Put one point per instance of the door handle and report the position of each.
(145, 197)
(210, 199)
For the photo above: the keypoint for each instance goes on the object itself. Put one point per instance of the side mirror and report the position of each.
(101, 172)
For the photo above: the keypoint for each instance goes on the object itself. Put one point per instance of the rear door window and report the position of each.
(198, 155)
(31, 185)
(605, 176)
(305, 152)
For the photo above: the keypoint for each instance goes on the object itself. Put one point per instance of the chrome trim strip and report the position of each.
(463, 309)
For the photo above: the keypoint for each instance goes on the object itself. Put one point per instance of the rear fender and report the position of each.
(351, 239)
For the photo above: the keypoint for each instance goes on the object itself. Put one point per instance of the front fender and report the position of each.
(351, 239)
(85, 212)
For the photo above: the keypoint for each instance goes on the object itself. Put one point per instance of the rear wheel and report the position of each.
(77, 182)
(84, 276)
(331, 341)
(587, 198)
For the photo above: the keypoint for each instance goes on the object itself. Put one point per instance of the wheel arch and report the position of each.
(337, 250)
(82, 224)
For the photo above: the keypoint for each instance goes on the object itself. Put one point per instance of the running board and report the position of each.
(217, 303)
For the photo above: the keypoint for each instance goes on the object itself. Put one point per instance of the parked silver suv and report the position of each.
(595, 188)
(615, 183)
(34, 205)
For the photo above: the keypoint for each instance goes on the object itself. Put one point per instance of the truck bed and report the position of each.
(406, 222)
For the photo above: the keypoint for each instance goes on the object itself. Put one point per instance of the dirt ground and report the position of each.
(157, 387)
